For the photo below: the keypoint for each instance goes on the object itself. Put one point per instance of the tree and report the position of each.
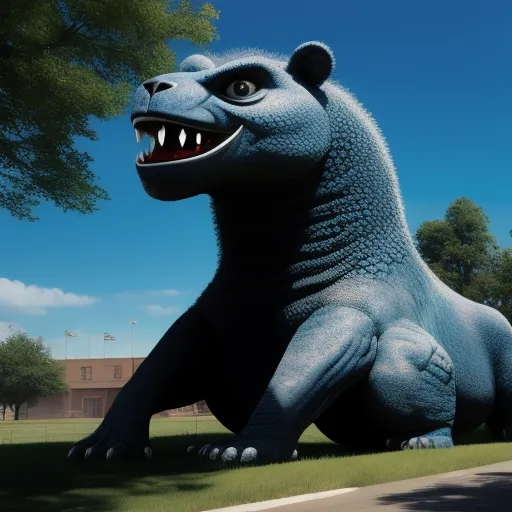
(460, 250)
(63, 62)
(27, 371)
(503, 286)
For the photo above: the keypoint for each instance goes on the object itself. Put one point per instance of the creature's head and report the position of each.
(250, 119)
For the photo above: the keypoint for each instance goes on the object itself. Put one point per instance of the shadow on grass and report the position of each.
(487, 491)
(39, 477)
(479, 436)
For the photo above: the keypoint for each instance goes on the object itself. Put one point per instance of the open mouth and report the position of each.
(172, 142)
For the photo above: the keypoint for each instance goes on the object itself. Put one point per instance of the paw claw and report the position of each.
(295, 454)
(248, 454)
(110, 453)
(190, 449)
(148, 452)
(88, 452)
(417, 443)
(203, 449)
(229, 454)
(71, 452)
(214, 453)
(423, 442)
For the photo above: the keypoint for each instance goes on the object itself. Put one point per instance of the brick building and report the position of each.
(92, 386)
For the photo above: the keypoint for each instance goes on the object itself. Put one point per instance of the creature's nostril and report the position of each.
(162, 86)
(155, 86)
(149, 87)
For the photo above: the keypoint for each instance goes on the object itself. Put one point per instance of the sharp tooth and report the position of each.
(161, 135)
(138, 135)
(151, 144)
(182, 137)
(198, 138)
(140, 157)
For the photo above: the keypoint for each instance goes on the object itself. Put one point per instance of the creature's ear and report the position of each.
(311, 63)
(196, 63)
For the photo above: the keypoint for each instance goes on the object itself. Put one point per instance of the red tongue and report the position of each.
(163, 156)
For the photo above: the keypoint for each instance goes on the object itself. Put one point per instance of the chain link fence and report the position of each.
(69, 431)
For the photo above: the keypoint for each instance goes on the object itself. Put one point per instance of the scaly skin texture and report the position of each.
(321, 310)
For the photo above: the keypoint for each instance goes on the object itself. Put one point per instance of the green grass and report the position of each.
(70, 430)
(35, 475)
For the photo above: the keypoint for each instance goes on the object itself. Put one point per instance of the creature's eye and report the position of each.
(240, 89)
(240, 86)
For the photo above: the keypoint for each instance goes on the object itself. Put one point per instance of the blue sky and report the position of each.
(435, 75)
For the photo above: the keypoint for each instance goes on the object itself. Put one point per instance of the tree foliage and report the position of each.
(27, 371)
(63, 61)
(503, 284)
(459, 248)
(463, 254)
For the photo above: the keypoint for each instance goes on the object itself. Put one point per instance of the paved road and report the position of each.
(487, 488)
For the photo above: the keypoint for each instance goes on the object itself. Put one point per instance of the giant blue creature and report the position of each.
(321, 309)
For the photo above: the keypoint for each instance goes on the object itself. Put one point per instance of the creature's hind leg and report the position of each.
(500, 420)
(168, 378)
(412, 388)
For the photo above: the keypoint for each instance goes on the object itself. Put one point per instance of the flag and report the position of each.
(71, 334)
(108, 337)
(133, 321)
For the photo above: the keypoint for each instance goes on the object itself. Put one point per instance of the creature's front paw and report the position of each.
(114, 439)
(417, 443)
(425, 442)
(245, 451)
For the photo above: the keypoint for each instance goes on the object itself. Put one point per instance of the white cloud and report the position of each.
(156, 309)
(172, 292)
(31, 299)
(146, 294)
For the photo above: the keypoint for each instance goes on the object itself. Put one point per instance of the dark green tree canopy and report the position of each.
(63, 61)
(27, 371)
(463, 254)
(503, 295)
(459, 247)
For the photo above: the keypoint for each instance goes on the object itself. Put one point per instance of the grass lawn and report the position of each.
(35, 474)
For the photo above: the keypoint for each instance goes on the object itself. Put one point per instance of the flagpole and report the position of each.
(133, 362)
(132, 322)
(68, 334)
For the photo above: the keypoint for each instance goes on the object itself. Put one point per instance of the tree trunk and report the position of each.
(17, 411)
(4, 406)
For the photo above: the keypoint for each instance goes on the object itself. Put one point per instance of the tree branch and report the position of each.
(67, 34)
